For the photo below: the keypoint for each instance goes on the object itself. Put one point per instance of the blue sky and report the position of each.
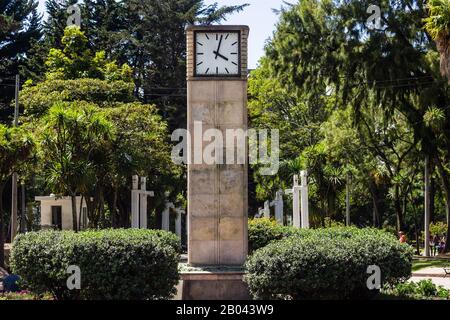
(258, 16)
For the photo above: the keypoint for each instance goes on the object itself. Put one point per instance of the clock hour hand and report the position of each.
(219, 55)
(218, 48)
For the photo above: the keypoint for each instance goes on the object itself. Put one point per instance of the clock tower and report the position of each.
(217, 193)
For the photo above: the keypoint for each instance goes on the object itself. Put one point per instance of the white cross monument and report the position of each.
(300, 201)
(139, 203)
(278, 204)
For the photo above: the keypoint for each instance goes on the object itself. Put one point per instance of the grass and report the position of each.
(421, 264)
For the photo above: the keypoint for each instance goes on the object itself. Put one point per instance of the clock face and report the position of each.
(217, 53)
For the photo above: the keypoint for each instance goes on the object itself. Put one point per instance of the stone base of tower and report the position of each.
(212, 283)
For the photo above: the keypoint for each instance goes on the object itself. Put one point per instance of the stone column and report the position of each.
(278, 204)
(165, 221)
(135, 202)
(304, 197)
(143, 204)
(178, 222)
(295, 191)
(266, 210)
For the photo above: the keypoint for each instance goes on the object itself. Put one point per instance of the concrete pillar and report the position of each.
(278, 204)
(135, 202)
(178, 222)
(143, 204)
(304, 199)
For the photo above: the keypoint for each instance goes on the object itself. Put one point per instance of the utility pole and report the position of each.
(427, 206)
(15, 176)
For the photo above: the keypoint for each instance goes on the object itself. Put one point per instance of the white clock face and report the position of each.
(217, 53)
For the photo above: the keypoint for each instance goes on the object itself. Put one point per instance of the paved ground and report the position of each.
(437, 275)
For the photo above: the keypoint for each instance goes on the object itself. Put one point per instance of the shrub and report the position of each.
(326, 263)
(115, 264)
(438, 228)
(262, 231)
(424, 289)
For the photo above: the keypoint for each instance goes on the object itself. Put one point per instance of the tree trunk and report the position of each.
(114, 209)
(432, 196)
(427, 206)
(2, 228)
(398, 208)
(347, 201)
(80, 212)
(375, 209)
(74, 212)
(443, 46)
(446, 188)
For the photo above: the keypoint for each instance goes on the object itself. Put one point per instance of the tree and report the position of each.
(156, 57)
(140, 143)
(70, 136)
(438, 25)
(16, 147)
(19, 26)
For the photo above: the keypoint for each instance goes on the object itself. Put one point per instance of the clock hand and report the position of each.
(218, 54)
(218, 48)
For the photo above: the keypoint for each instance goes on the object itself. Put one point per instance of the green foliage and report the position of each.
(326, 263)
(76, 60)
(108, 135)
(16, 148)
(69, 137)
(424, 289)
(115, 264)
(438, 21)
(19, 28)
(262, 231)
(330, 223)
(39, 98)
(24, 295)
(438, 228)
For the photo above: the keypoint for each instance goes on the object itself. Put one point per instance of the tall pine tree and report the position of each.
(19, 27)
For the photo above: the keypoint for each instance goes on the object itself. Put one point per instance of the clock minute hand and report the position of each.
(218, 48)
(219, 55)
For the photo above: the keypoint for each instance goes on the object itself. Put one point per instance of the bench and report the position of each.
(447, 271)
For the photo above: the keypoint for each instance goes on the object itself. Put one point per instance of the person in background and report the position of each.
(434, 244)
(402, 237)
(441, 245)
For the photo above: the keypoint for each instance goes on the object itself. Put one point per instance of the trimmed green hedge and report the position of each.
(326, 264)
(263, 230)
(115, 264)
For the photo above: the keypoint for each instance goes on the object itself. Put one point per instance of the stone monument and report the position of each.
(139, 202)
(217, 192)
(278, 204)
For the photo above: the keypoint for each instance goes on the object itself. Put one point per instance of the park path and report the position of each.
(437, 275)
